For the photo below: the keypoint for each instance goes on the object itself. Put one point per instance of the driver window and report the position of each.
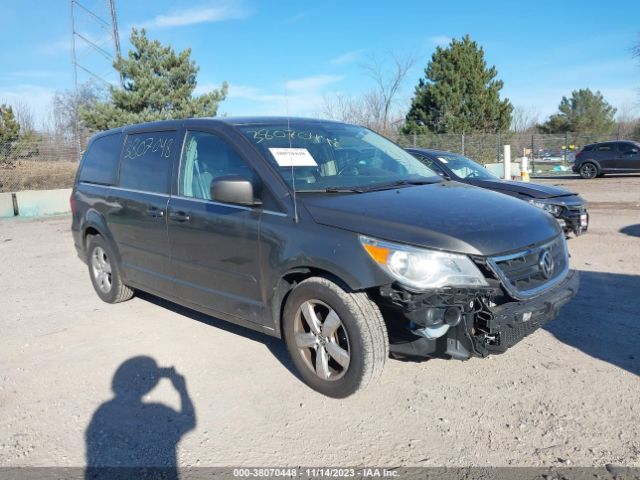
(205, 158)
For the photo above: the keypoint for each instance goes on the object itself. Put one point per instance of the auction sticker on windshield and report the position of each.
(293, 157)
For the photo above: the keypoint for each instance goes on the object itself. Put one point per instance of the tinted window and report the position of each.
(627, 147)
(100, 164)
(146, 161)
(605, 147)
(207, 157)
(587, 148)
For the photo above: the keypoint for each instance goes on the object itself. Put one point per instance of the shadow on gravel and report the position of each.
(275, 345)
(633, 230)
(130, 438)
(603, 320)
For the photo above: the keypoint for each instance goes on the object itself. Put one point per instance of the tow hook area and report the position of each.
(435, 323)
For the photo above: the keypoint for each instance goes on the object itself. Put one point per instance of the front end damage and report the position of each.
(462, 322)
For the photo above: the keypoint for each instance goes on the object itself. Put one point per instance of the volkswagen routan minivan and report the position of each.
(322, 233)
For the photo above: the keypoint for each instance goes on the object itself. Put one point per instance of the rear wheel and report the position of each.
(104, 272)
(588, 170)
(337, 340)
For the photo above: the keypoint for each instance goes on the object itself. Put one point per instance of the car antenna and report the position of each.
(293, 177)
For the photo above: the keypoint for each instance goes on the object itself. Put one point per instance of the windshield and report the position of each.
(321, 156)
(464, 167)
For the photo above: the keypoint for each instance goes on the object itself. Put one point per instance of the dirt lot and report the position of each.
(567, 395)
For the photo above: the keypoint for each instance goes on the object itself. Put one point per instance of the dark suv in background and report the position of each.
(597, 159)
(322, 233)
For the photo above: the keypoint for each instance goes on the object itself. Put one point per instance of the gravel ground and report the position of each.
(567, 395)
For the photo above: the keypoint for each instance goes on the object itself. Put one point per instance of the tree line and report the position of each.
(458, 93)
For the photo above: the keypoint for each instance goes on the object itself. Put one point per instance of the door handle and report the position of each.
(179, 216)
(155, 212)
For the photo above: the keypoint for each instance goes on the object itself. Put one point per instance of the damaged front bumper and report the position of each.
(489, 322)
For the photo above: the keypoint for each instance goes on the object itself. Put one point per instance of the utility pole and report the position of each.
(95, 44)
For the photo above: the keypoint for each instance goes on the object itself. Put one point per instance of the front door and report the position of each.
(214, 246)
(628, 157)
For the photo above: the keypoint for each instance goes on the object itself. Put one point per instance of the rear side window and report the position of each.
(146, 161)
(100, 164)
(606, 147)
(587, 148)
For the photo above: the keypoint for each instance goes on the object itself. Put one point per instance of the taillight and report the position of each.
(578, 155)
(72, 203)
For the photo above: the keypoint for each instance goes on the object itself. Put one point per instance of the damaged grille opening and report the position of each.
(526, 273)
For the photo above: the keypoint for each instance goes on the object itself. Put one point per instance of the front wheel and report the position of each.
(337, 340)
(588, 171)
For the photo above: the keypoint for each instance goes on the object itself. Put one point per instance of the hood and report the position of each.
(448, 216)
(532, 190)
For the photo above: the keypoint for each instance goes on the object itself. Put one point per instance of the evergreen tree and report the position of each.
(458, 94)
(584, 112)
(9, 133)
(158, 85)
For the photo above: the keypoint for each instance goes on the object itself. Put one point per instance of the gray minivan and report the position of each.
(322, 233)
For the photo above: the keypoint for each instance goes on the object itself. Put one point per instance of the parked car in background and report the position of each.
(596, 159)
(568, 208)
(276, 225)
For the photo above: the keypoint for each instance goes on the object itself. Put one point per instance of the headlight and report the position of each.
(420, 269)
(549, 207)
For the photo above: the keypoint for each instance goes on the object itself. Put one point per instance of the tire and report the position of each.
(588, 170)
(344, 323)
(104, 273)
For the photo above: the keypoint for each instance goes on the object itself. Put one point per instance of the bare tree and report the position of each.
(25, 117)
(376, 108)
(524, 120)
(66, 124)
(628, 121)
(388, 81)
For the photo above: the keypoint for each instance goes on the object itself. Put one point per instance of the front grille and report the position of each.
(523, 274)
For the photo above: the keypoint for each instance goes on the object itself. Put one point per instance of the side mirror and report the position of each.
(233, 189)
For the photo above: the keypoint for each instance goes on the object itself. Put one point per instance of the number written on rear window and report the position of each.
(146, 161)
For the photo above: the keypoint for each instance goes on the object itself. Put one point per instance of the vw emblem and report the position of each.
(545, 263)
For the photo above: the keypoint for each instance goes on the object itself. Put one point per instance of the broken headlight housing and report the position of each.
(420, 268)
(552, 208)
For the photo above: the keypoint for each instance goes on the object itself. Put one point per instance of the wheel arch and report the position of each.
(95, 224)
(288, 281)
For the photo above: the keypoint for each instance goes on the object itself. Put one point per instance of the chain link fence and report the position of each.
(48, 162)
(40, 163)
(548, 154)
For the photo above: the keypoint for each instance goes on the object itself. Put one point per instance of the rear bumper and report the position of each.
(498, 328)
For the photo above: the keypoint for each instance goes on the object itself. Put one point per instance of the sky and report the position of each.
(287, 57)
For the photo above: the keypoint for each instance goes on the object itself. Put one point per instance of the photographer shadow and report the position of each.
(129, 438)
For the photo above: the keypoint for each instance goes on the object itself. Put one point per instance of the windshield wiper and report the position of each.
(333, 190)
(398, 183)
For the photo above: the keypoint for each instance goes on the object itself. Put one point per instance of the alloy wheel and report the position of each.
(101, 269)
(322, 340)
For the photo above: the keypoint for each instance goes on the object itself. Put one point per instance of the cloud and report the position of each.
(346, 58)
(440, 40)
(193, 16)
(36, 97)
(304, 97)
(32, 74)
(311, 83)
(56, 47)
